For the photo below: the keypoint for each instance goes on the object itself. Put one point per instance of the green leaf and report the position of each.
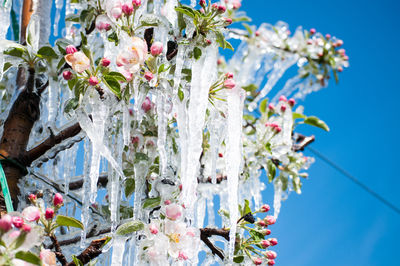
(28, 257)
(263, 105)
(61, 63)
(238, 259)
(7, 65)
(250, 88)
(116, 75)
(316, 122)
(47, 52)
(197, 53)
(72, 18)
(77, 261)
(113, 37)
(113, 85)
(228, 45)
(223, 212)
(181, 95)
(15, 51)
(140, 157)
(271, 171)
(68, 221)
(129, 186)
(151, 203)
(246, 208)
(71, 104)
(220, 39)
(129, 228)
(298, 116)
(19, 241)
(248, 28)
(186, 10)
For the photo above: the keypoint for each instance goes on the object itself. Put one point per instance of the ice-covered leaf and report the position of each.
(47, 52)
(315, 121)
(129, 228)
(129, 186)
(28, 257)
(62, 220)
(151, 203)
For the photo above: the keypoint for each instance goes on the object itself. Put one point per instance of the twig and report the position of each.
(74, 240)
(206, 233)
(60, 256)
(91, 252)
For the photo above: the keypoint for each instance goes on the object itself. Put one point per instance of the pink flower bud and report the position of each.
(127, 9)
(271, 107)
(32, 197)
(229, 75)
(148, 75)
(267, 232)
(105, 62)
(135, 140)
(116, 11)
(270, 219)
(342, 51)
(70, 49)
(156, 48)
(5, 223)
(257, 33)
(221, 9)
(182, 256)
(130, 111)
(271, 262)
(283, 108)
(236, 5)
(229, 84)
(271, 254)
(278, 129)
(273, 241)
(31, 214)
(346, 58)
(153, 229)
(67, 75)
(147, 105)
(282, 98)
(291, 102)
(220, 155)
(261, 223)
(266, 207)
(136, 3)
(49, 214)
(219, 61)
(208, 42)
(257, 261)
(18, 222)
(103, 23)
(340, 69)
(309, 41)
(339, 43)
(273, 125)
(173, 211)
(202, 3)
(328, 36)
(58, 199)
(312, 31)
(214, 6)
(265, 243)
(26, 228)
(93, 81)
(228, 21)
(167, 202)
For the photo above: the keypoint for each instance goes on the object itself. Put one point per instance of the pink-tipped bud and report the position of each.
(136, 3)
(147, 105)
(266, 207)
(32, 197)
(220, 155)
(270, 219)
(271, 107)
(283, 108)
(148, 75)
(182, 256)
(173, 211)
(130, 111)
(31, 214)
(219, 61)
(208, 42)
(328, 36)
(167, 202)
(309, 41)
(127, 9)
(342, 51)
(273, 125)
(214, 6)
(273, 241)
(283, 98)
(228, 21)
(278, 129)
(135, 140)
(291, 102)
(202, 3)
(339, 43)
(229, 75)
(105, 62)
(267, 232)
(340, 69)
(236, 5)
(271, 262)
(18, 222)
(26, 228)
(49, 214)
(221, 9)
(229, 84)
(312, 31)
(67, 75)
(261, 223)
(257, 261)
(58, 200)
(265, 243)
(257, 33)
(346, 58)
(156, 49)
(271, 254)
(5, 223)
(93, 81)
(153, 229)
(70, 49)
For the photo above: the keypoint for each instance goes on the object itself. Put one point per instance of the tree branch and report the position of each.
(60, 256)
(302, 142)
(74, 240)
(50, 142)
(91, 252)
(206, 233)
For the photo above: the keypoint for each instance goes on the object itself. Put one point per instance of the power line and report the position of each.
(354, 179)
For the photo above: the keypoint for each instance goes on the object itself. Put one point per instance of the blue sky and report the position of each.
(334, 222)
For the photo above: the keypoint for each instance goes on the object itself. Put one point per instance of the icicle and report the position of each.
(41, 17)
(180, 60)
(233, 158)
(203, 74)
(126, 126)
(216, 128)
(118, 251)
(210, 211)
(59, 6)
(86, 189)
(162, 132)
(277, 197)
(53, 101)
(280, 68)
(170, 13)
(114, 198)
